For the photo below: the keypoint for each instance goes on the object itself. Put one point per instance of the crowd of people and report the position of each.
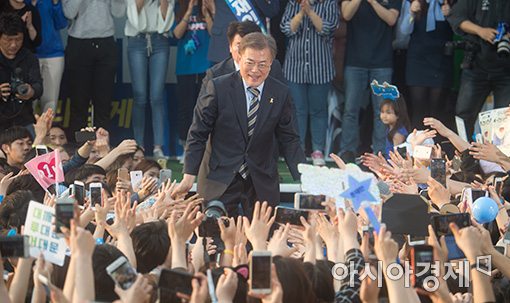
(253, 105)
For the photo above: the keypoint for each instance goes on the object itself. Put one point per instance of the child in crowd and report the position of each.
(394, 117)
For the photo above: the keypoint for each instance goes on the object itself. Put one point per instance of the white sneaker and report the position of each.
(158, 154)
(318, 158)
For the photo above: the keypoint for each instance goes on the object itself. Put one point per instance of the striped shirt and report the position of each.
(309, 57)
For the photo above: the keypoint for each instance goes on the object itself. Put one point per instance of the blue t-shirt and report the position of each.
(52, 21)
(192, 47)
(389, 144)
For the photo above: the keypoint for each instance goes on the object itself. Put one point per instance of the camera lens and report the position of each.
(504, 47)
(22, 89)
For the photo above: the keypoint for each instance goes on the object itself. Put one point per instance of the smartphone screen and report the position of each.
(441, 223)
(14, 246)
(164, 175)
(175, 282)
(477, 193)
(79, 192)
(402, 151)
(286, 215)
(83, 136)
(41, 150)
(122, 273)
(260, 272)
(438, 171)
(306, 201)
(421, 258)
(454, 252)
(64, 212)
(95, 194)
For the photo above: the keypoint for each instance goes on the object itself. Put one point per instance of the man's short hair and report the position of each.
(14, 133)
(258, 41)
(83, 172)
(242, 29)
(11, 24)
(151, 244)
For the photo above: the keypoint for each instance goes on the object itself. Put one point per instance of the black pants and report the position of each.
(90, 69)
(475, 86)
(428, 102)
(188, 87)
(240, 191)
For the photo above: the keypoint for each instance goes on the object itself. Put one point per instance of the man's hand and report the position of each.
(415, 7)
(487, 34)
(5, 89)
(488, 152)
(185, 186)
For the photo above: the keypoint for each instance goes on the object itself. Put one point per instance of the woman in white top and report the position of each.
(147, 29)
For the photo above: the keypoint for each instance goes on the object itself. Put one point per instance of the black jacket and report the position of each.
(13, 112)
(218, 143)
(227, 66)
(484, 14)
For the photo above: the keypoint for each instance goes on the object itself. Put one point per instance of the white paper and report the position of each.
(39, 227)
(422, 152)
(461, 128)
(485, 121)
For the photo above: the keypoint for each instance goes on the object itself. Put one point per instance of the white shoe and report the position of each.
(158, 154)
(318, 158)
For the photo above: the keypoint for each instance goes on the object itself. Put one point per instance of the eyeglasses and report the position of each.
(260, 66)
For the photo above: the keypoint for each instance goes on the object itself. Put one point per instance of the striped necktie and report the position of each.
(252, 119)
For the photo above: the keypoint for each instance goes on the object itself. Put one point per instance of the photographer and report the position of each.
(490, 66)
(20, 79)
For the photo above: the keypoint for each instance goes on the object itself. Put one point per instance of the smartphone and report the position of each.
(136, 179)
(14, 246)
(506, 237)
(122, 272)
(123, 174)
(84, 136)
(501, 249)
(416, 240)
(165, 174)
(172, 282)
(402, 151)
(454, 252)
(498, 185)
(370, 231)
(470, 195)
(438, 170)
(95, 193)
(422, 257)
(46, 283)
(422, 152)
(441, 223)
(79, 192)
(307, 201)
(64, 212)
(286, 215)
(41, 150)
(260, 272)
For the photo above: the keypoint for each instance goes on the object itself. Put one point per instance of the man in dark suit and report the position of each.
(218, 45)
(238, 122)
(235, 32)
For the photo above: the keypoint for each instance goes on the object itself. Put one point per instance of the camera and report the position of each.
(18, 86)
(502, 41)
(213, 211)
(470, 50)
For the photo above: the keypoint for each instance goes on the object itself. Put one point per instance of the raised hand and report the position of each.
(386, 249)
(138, 292)
(438, 194)
(278, 243)
(181, 229)
(226, 286)
(258, 229)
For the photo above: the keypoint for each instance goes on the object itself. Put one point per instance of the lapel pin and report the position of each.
(271, 100)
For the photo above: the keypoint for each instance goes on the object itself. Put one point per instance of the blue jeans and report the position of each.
(357, 82)
(144, 67)
(311, 100)
(475, 86)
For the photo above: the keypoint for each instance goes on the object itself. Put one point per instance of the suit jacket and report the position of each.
(218, 45)
(227, 66)
(217, 143)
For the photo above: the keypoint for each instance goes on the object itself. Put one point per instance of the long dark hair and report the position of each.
(183, 6)
(400, 109)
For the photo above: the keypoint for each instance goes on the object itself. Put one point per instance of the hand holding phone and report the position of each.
(122, 273)
(260, 272)
(84, 136)
(292, 216)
